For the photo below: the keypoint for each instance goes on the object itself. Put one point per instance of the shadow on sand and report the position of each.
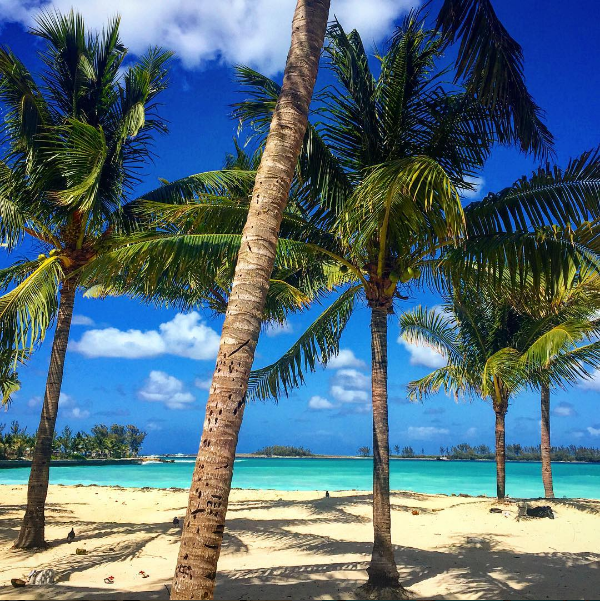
(479, 567)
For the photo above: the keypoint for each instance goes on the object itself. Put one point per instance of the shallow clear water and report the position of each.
(470, 477)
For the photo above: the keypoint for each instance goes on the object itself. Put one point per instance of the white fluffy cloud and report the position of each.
(318, 403)
(82, 320)
(277, 329)
(34, 401)
(564, 410)
(592, 383)
(352, 378)
(350, 386)
(77, 413)
(252, 32)
(477, 183)
(160, 387)
(67, 406)
(203, 383)
(422, 355)
(66, 400)
(593, 431)
(426, 432)
(186, 335)
(345, 358)
(345, 395)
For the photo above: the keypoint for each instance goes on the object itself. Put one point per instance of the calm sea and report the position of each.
(470, 477)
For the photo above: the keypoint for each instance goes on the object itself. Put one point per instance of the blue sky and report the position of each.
(130, 363)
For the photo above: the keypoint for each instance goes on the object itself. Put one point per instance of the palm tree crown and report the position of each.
(75, 144)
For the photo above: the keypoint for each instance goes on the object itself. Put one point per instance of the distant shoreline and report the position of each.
(169, 458)
(13, 463)
(392, 458)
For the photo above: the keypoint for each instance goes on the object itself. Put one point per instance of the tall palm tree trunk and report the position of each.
(500, 451)
(382, 569)
(211, 482)
(545, 448)
(32, 533)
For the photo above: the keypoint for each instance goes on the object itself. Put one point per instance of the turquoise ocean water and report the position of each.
(470, 477)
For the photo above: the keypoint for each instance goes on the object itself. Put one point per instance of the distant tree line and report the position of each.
(103, 442)
(517, 452)
(514, 452)
(284, 451)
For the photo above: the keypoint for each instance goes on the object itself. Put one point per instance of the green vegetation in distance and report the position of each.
(103, 442)
(514, 452)
(284, 451)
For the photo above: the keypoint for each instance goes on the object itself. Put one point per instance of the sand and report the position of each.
(299, 545)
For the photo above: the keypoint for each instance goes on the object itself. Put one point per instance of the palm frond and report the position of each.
(562, 338)
(27, 310)
(550, 195)
(78, 152)
(433, 329)
(324, 185)
(451, 379)
(490, 62)
(502, 369)
(318, 343)
(229, 183)
(402, 200)
(27, 110)
(571, 367)
(541, 261)
(9, 378)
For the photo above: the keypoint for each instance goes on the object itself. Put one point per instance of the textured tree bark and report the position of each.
(32, 533)
(500, 452)
(211, 482)
(546, 448)
(383, 573)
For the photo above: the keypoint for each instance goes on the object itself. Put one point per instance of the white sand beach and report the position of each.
(299, 545)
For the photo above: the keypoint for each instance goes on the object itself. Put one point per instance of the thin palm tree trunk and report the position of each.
(500, 453)
(545, 448)
(382, 569)
(32, 532)
(204, 523)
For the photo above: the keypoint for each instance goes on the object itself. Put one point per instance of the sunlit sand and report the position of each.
(299, 545)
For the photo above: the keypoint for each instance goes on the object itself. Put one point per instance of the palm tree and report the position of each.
(74, 144)
(556, 359)
(205, 519)
(381, 172)
(493, 351)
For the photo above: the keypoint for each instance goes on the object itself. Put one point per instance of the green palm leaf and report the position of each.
(318, 343)
(451, 379)
(550, 195)
(431, 328)
(27, 109)
(559, 340)
(27, 310)
(491, 64)
(78, 152)
(399, 200)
